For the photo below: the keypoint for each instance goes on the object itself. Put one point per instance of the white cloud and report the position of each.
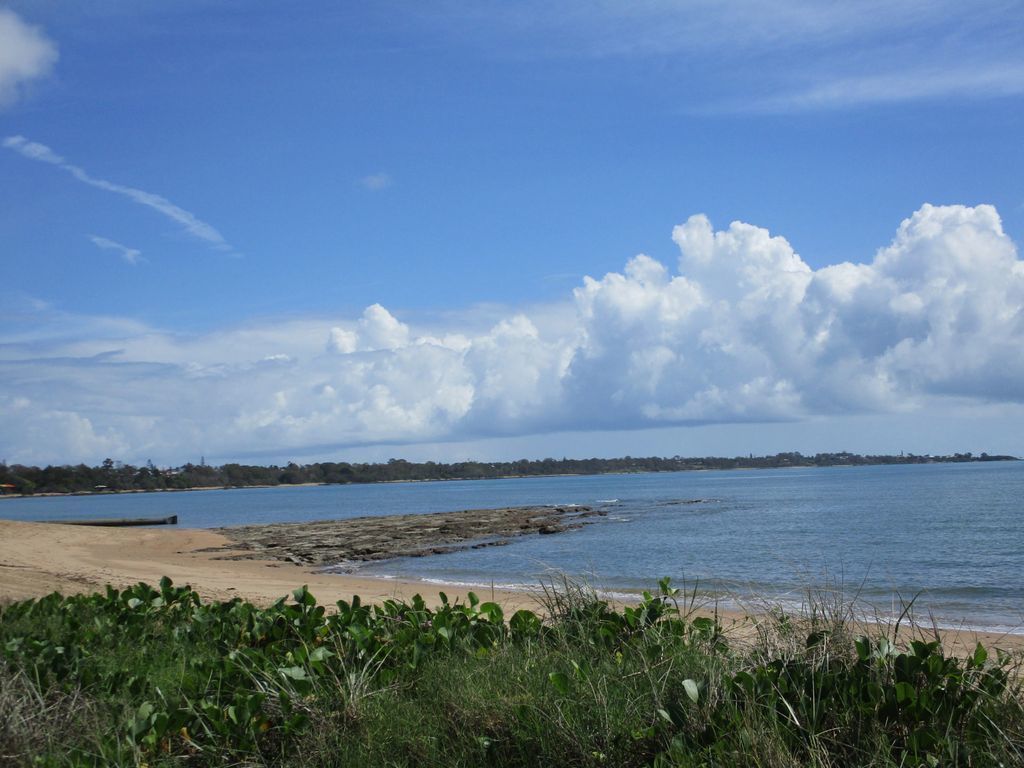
(734, 27)
(26, 54)
(740, 330)
(33, 150)
(188, 221)
(381, 330)
(789, 55)
(376, 182)
(342, 341)
(985, 80)
(377, 329)
(44, 429)
(130, 255)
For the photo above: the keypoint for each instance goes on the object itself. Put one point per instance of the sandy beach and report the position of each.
(39, 558)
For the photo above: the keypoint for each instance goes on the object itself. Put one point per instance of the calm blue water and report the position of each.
(950, 534)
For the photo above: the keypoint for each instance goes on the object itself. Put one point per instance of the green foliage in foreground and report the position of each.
(159, 677)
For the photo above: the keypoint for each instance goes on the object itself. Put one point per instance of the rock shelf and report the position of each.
(343, 544)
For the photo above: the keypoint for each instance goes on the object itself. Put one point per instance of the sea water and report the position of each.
(949, 537)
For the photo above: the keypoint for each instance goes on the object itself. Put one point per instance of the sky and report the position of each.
(264, 232)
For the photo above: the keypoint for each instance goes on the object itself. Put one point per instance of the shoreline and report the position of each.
(37, 559)
(87, 494)
(58, 494)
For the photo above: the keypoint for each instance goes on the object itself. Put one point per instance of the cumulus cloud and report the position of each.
(130, 255)
(188, 221)
(41, 428)
(376, 329)
(26, 54)
(740, 329)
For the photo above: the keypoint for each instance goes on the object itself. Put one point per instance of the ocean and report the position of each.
(949, 537)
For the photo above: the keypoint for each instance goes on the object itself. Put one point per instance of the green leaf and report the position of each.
(980, 655)
(692, 690)
(525, 622)
(560, 681)
(141, 721)
(295, 673)
(745, 680)
(321, 654)
(703, 624)
(863, 646)
(905, 693)
(665, 589)
(493, 612)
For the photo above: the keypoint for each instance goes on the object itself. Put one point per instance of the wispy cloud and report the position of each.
(987, 81)
(789, 55)
(731, 28)
(25, 54)
(375, 182)
(131, 255)
(187, 220)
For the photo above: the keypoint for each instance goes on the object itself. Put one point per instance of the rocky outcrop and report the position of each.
(342, 544)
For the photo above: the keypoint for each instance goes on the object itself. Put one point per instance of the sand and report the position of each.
(39, 558)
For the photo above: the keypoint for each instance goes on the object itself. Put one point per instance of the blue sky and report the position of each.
(267, 231)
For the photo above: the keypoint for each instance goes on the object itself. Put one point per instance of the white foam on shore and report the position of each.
(510, 587)
(871, 615)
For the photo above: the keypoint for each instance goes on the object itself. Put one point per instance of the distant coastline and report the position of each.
(19, 481)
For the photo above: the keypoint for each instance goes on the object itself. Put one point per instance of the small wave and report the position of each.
(607, 501)
(995, 629)
(345, 568)
(621, 597)
(479, 584)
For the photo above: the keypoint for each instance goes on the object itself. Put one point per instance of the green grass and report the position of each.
(155, 676)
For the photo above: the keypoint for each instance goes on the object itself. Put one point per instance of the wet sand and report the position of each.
(39, 558)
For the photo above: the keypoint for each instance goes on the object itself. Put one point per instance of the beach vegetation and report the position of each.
(158, 676)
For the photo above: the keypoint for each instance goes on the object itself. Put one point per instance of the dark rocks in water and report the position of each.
(366, 539)
(686, 502)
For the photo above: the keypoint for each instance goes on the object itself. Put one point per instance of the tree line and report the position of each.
(112, 476)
